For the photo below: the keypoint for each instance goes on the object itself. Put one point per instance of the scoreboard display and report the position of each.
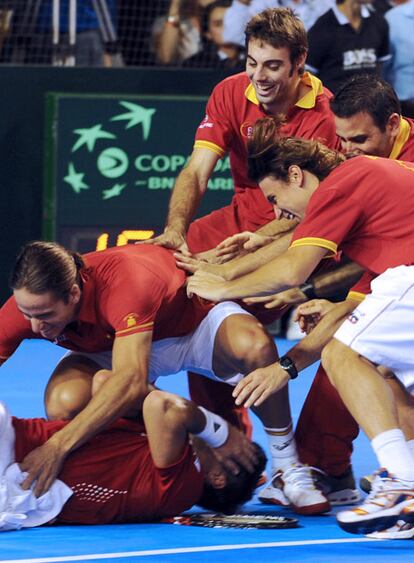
(111, 162)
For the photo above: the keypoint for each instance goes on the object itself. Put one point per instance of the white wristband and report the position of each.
(216, 430)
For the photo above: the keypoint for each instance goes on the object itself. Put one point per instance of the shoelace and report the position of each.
(380, 487)
(300, 476)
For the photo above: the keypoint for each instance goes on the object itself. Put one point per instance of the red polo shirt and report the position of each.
(364, 208)
(125, 290)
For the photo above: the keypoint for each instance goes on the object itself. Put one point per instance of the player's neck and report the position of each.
(352, 12)
(292, 96)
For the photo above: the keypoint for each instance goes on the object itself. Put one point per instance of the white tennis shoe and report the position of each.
(382, 508)
(294, 486)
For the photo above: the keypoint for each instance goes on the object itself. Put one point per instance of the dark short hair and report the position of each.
(238, 490)
(369, 94)
(46, 266)
(279, 27)
(206, 14)
(269, 154)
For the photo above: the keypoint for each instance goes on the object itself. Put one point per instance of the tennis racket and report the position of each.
(257, 521)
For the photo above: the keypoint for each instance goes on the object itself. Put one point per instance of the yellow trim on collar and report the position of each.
(211, 146)
(356, 296)
(401, 139)
(315, 241)
(307, 101)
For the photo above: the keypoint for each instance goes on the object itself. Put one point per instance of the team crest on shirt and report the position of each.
(131, 320)
(246, 130)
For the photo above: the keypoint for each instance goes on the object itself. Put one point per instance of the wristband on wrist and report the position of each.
(173, 20)
(308, 289)
(216, 430)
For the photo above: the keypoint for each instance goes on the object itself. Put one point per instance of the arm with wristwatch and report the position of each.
(258, 385)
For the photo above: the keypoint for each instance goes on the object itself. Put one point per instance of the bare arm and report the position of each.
(188, 191)
(322, 286)
(290, 269)
(169, 419)
(258, 385)
(126, 388)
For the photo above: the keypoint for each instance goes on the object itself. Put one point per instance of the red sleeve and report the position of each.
(13, 329)
(216, 130)
(181, 484)
(133, 299)
(331, 217)
(362, 288)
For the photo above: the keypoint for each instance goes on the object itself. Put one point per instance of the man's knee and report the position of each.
(333, 355)
(65, 399)
(254, 346)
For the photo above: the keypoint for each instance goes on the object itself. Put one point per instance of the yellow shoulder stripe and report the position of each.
(315, 241)
(356, 296)
(211, 146)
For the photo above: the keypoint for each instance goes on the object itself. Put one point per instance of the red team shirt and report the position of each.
(403, 148)
(231, 112)
(365, 208)
(125, 290)
(113, 476)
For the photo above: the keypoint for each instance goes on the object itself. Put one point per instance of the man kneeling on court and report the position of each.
(126, 318)
(131, 472)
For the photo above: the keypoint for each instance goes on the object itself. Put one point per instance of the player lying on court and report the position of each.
(134, 471)
(125, 317)
(342, 205)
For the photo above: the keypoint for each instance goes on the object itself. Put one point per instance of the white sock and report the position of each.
(282, 447)
(393, 453)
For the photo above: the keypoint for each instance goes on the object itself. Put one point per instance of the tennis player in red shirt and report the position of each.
(125, 317)
(349, 206)
(137, 471)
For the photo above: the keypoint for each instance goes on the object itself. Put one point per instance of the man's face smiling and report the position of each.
(48, 315)
(272, 75)
(289, 198)
(359, 134)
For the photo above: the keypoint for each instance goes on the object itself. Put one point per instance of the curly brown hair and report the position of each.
(270, 154)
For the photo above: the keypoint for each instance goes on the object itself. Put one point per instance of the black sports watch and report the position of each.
(288, 365)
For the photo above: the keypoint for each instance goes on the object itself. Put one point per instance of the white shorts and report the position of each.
(193, 352)
(381, 328)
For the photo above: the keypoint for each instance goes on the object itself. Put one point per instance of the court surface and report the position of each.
(22, 380)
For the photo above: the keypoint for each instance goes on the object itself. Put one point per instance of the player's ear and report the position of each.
(295, 175)
(217, 479)
(393, 124)
(74, 294)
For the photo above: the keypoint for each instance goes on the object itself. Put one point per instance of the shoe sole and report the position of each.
(313, 509)
(272, 501)
(370, 526)
(344, 497)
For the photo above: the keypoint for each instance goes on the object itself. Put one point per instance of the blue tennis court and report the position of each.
(22, 381)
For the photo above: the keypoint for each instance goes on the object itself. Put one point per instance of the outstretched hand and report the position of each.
(169, 239)
(292, 296)
(237, 451)
(259, 384)
(241, 243)
(309, 314)
(43, 466)
(205, 285)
